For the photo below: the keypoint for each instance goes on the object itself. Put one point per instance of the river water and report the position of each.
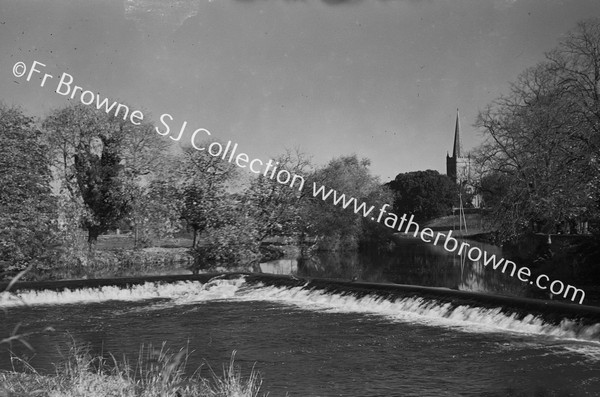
(307, 342)
(412, 262)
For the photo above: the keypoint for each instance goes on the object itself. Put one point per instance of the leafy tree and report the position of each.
(278, 208)
(88, 144)
(233, 241)
(492, 187)
(147, 175)
(232, 225)
(225, 233)
(376, 235)
(28, 216)
(101, 190)
(157, 210)
(334, 227)
(205, 180)
(425, 194)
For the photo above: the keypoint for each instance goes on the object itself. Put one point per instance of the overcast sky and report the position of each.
(379, 78)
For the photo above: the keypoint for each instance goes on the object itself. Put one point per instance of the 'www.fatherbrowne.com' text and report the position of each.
(450, 244)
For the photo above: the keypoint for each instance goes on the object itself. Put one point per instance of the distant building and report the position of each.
(458, 167)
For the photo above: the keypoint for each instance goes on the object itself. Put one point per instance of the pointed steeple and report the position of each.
(456, 151)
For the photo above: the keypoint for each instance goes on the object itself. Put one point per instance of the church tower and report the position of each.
(458, 167)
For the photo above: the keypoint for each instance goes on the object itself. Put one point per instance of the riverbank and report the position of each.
(115, 255)
(567, 257)
(157, 373)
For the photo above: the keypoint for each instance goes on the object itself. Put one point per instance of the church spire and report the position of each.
(457, 149)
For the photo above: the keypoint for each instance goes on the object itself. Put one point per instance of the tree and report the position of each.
(576, 63)
(28, 217)
(232, 241)
(334, 227)
(543, 137)
(278, 208)
(233, 225)
(147, 177)
(156, 211)
(88, 145)
(203, 190)
(425, 194)
(492, 187)
(534, 141)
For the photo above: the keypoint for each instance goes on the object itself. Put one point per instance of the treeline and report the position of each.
(82, 170)
(540, 163)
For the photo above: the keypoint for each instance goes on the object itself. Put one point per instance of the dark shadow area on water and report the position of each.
(413, 262)
(410, 262)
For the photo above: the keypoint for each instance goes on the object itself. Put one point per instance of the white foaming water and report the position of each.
(181, 291)
(470, 319)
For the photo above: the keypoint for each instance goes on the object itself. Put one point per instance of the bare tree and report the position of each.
(529, 140)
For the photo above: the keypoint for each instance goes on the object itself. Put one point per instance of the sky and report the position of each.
(379, 78)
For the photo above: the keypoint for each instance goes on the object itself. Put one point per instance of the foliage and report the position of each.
(278, 208)
(376, 235)
(202, 206)
(74, 249)
(28, 216)
(88, 145)
(203, 191)
(148, 180)
(337, 228)
(100, 187)
(157, 373)
(425, 194)
(156, 211)
(231, 239)
(492, 187)
(543, 139)
(576, 62)
(223, 233)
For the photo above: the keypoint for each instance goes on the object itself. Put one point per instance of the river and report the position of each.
(309, 342)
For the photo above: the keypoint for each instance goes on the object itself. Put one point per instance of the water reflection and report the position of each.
(411, 262)
(280, 266)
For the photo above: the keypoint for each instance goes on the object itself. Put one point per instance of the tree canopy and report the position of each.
(88, 144)
(334, 226)
(543, 141)
(28, 216)
(425, 194)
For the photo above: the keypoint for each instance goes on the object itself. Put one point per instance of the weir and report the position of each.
(523, 309)
(551, 312)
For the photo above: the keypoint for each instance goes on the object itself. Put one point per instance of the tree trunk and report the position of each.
(136, 223)
(93, 233)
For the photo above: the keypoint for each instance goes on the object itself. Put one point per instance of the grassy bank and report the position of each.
(156, 373)
(115, 256)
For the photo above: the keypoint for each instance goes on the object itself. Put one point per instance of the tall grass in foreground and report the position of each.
(157, 373)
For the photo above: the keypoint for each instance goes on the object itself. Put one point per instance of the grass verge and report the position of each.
(156, 373)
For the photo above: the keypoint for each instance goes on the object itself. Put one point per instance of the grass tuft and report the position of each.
(232, 384)
(156, 373)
